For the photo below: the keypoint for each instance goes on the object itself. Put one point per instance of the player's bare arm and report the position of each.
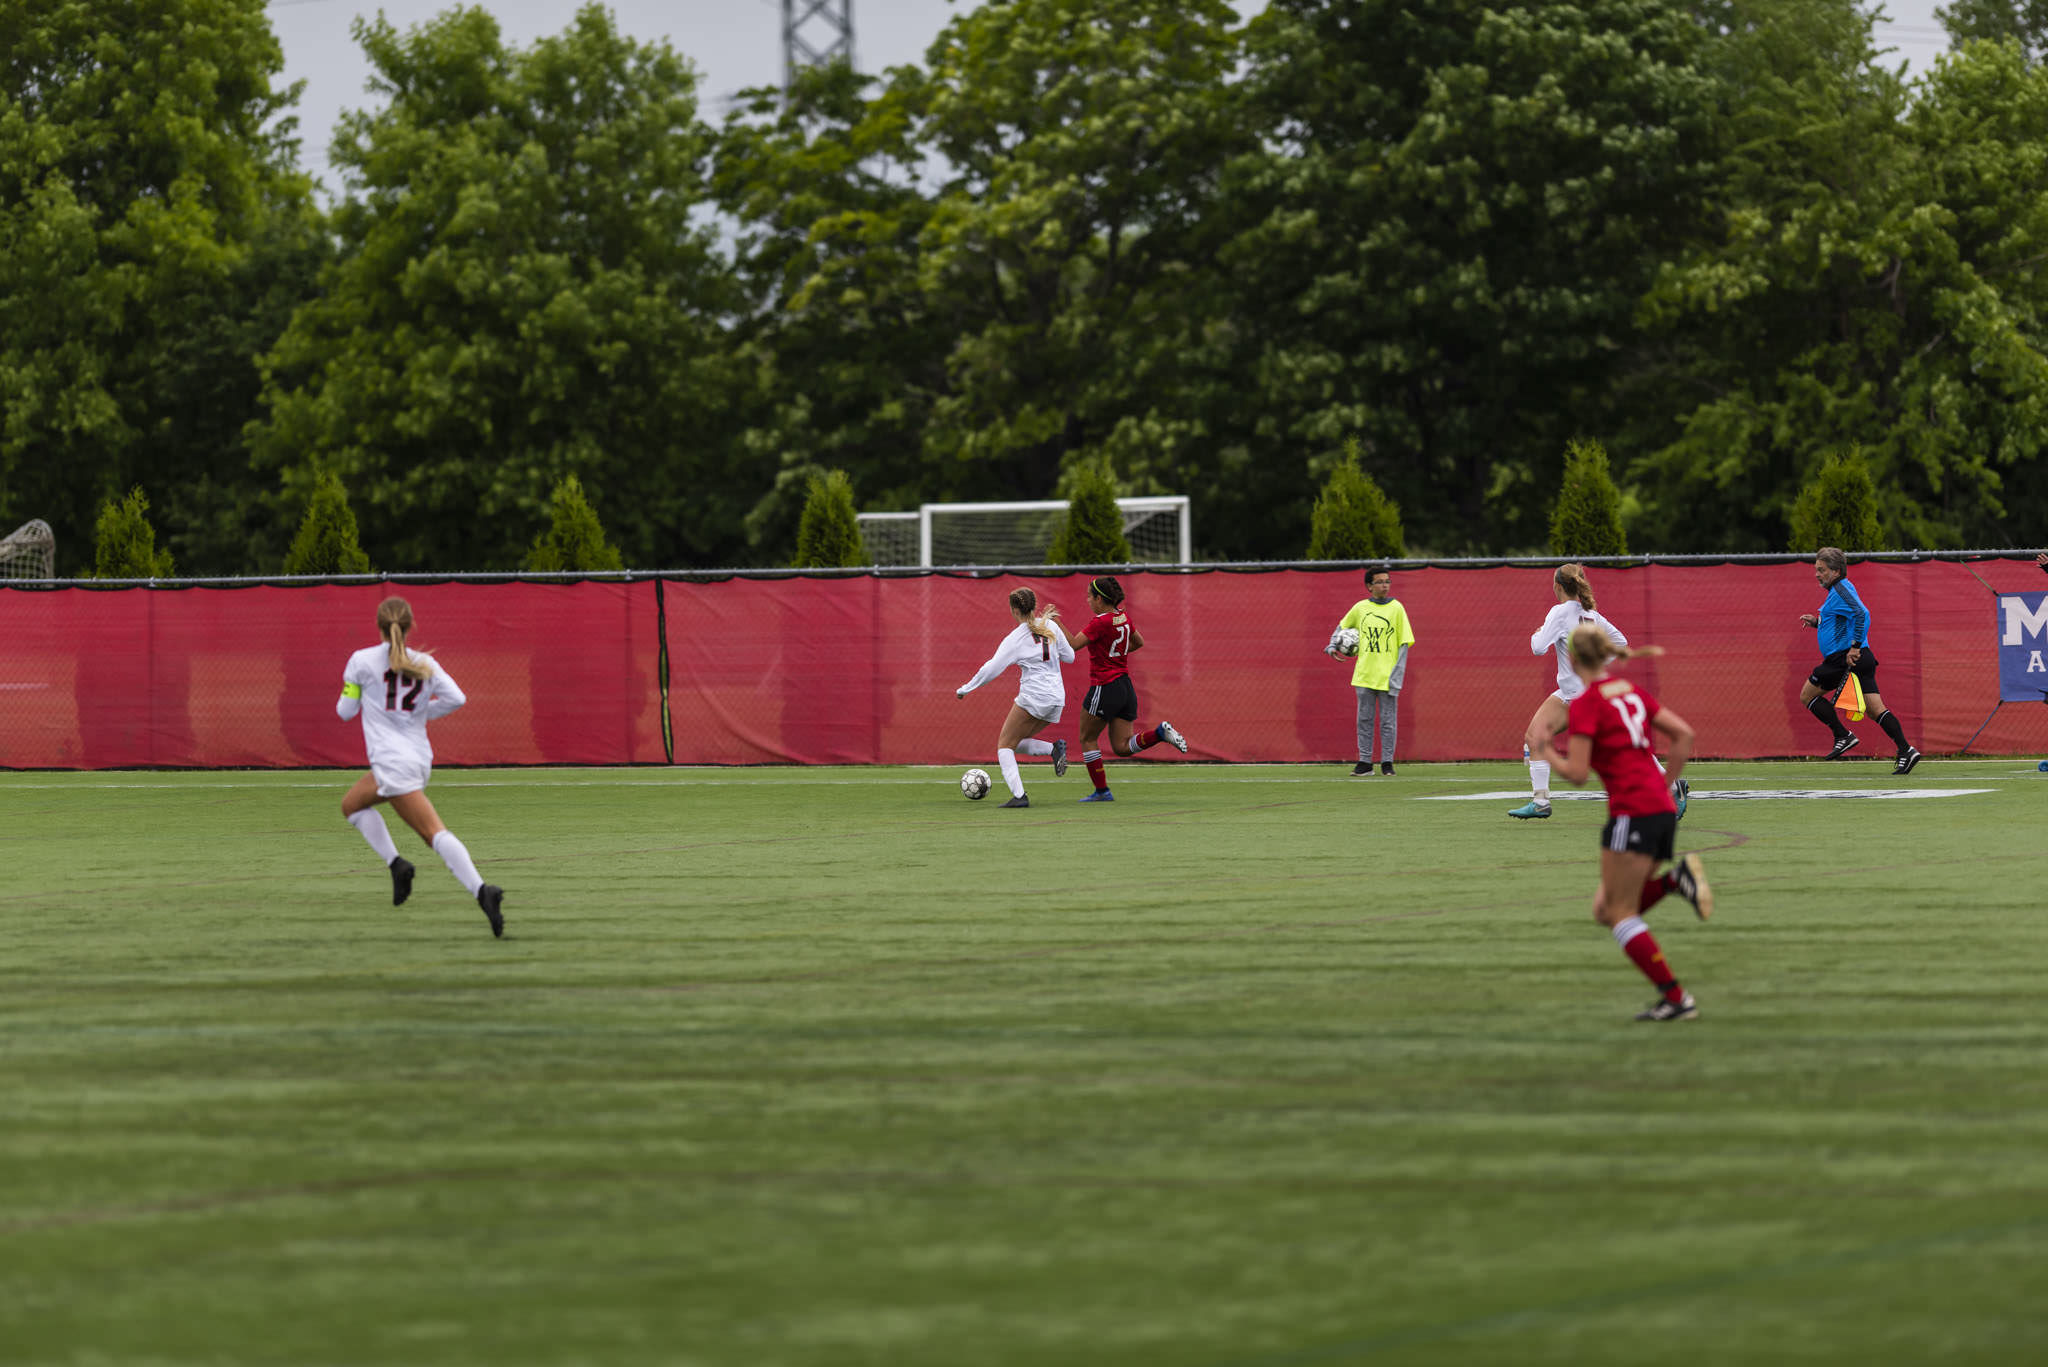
(1673, 728)
(1573, 765)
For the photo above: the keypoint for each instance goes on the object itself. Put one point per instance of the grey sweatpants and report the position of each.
(1376, 707)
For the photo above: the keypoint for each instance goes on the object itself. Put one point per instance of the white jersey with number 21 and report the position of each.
(1556, 634)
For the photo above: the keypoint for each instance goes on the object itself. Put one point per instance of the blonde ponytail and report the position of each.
(394, 623)
(1593, 649)
(1572, 579)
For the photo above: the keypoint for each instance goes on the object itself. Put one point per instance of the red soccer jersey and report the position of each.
(1109, 642)
(1617, 715)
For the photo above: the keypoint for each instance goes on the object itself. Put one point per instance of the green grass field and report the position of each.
(1259, 1067)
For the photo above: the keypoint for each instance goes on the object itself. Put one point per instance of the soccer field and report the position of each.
(1256, 1067)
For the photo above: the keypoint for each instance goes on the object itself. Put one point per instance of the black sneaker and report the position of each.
(1018, 802)
(1906, 762)
(401, 879)
(1387, 769)
(1689, 880)
(1059, 759)
(1844, 745)
(490, 897)
(1362, 769)
(1684, 1009)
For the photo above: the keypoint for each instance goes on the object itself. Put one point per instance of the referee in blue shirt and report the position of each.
(1844, 626)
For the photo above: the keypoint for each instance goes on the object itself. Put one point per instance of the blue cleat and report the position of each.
(1104, 796)
(1531, 810)
(1681, 790)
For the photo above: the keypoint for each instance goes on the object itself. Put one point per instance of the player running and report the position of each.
(1609, 725)
(1574, 609)
(405, 691)
(1038, 650)
(1112, 699)
(1844, 626)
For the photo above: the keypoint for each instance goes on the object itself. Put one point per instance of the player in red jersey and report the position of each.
(1111, 700)
(1609, 727)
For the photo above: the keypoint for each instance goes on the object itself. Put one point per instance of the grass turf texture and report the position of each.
(1259, 1066)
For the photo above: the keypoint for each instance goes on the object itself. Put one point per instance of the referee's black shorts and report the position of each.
(1828, 675)
(1112, 701)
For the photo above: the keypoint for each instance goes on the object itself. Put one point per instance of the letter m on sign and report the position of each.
(2022, 639)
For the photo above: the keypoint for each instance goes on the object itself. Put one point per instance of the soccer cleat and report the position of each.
(1689, 880)
(1173, 737)
(1059, 759)
(1387, 769)
(1679, 792)
(1018, 801)
(1099, 795)
(1844, 745)
(1531, 810)
(401, 880)
(1906, 762)
(1362, 769)
(1684, 1009)
(490, 897)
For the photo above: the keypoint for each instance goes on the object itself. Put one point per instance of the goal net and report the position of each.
(1018, 533)
(29, 552)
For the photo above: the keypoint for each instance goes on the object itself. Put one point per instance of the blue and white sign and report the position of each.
(2022, 647)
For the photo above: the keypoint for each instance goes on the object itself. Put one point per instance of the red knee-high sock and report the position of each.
(1636, 941)
(1144, 740)
(1654, 890)
(1093, 759)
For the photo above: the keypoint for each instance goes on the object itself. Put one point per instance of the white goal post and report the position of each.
(29, 552)
(1159, 529)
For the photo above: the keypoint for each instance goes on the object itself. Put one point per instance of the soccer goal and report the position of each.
(29, 552)
(1158, 529)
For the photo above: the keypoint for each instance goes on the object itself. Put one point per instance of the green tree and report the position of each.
(327, 542)
(829, 534)
(944, 266)
(154, 237)
(1838, 507)
(2022, 21)
(1587, 517)
(1353, 519)
(574, 539)
(1871, 276)
(1442, 239)
(124, 544)
(1093, 533)
(525, 290)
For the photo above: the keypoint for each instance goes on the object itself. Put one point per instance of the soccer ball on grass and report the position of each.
(974, 784)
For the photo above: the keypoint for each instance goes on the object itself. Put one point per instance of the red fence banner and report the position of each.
(862, 670)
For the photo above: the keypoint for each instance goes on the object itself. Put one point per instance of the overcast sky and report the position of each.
(734, 43)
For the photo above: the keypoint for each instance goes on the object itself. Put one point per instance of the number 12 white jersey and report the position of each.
(396, 709)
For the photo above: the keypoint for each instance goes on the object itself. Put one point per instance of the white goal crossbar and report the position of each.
(888, 534)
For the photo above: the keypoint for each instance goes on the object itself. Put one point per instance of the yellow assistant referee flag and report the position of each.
(1850, 699)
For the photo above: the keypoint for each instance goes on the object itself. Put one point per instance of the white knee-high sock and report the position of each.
(456, 856)
(1539, 778)
(373, 829)
(1032, 745)
(1008, 760)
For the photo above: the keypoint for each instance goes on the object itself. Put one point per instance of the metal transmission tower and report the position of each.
(830, 20)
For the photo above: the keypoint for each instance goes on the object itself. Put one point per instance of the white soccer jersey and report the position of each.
(1039, 686)
(396, 711)
(1556, 634)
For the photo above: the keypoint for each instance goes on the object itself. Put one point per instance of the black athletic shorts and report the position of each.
(1652, 835)
(1828, 675)
(1112, 701)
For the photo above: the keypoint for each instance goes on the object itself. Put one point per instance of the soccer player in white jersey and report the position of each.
(1574, 609)
(1038, 651)
(397, 692)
